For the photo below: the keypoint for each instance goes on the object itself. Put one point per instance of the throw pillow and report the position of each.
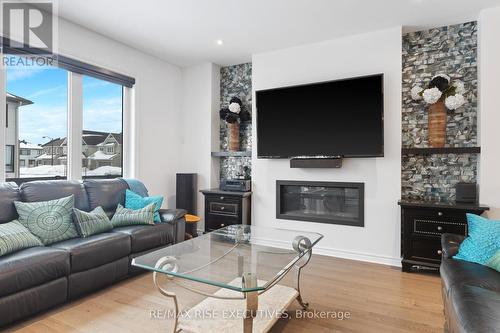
(14, 237)
(92, 223)
(125, 216)
(494, 262)
(483, 241)
(50, 221)
(135, 201)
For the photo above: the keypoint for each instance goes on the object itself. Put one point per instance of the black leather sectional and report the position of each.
(38, 278)
(471, 292)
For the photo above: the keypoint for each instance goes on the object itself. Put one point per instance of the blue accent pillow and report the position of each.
(135, 201)
(483, 241)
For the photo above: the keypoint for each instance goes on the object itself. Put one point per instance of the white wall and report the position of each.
(489, 109)
(156, 100)
(376, 52)
(200, 126)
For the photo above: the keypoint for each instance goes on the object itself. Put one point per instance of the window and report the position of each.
(37, 115)
(9, 158)
(39, 97)
(102, 128)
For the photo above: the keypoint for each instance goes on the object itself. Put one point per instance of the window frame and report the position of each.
(74, 162)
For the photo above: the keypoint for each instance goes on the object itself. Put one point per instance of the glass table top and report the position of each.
(218, 258)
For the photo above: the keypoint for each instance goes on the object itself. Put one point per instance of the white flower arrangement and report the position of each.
(416, 93)
(454, 102)
(432, 95)
(235, 108)
(441, 88)
(459, 87)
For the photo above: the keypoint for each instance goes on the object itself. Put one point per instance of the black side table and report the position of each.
(223, 208)
(423, 223)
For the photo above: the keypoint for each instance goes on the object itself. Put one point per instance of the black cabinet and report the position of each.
(423, 223)
(223, 208)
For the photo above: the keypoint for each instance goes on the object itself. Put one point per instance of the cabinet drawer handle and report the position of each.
(440, 228)
(222, 208)
(222, 198)
(440, 252)
(440, 213)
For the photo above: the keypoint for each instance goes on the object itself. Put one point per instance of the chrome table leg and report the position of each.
(249, 280)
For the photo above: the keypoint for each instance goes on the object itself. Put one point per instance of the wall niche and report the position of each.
(236, 81)
(450, 50)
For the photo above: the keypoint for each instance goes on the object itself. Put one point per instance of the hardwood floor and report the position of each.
(378, 298)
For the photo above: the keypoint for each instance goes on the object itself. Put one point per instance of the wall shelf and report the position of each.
(444, 150)
(245, 153)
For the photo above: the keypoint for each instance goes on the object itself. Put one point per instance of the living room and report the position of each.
(263, 166)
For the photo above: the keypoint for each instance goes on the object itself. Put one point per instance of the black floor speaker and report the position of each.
(186, 190)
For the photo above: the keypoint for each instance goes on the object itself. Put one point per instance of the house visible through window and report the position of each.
(37, 109)
(37, 120)
(102, 128)
(9, 159)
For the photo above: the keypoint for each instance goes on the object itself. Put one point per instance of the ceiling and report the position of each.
(184, 32)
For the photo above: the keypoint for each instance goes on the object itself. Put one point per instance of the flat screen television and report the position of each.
(326, 119)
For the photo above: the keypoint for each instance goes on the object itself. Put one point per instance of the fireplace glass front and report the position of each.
(324, 202)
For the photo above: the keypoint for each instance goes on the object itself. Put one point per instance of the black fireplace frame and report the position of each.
(359, 186)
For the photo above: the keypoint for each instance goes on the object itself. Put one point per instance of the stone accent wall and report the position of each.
(449, 50)
(236, 81)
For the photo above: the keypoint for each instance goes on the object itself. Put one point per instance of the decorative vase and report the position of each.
(437, 124)
(234, 136)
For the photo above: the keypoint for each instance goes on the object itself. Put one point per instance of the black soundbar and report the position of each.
(316, 162)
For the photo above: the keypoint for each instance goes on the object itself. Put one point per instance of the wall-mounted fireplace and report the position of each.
(324, 202)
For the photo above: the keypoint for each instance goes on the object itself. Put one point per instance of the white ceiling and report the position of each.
(183, 32)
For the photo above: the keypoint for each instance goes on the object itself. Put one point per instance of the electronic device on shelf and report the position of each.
(236, 185)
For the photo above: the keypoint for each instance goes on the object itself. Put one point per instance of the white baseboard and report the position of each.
(359, 256)
(326, 251)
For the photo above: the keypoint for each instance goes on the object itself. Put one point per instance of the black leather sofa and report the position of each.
(471, 292)
(36, 279)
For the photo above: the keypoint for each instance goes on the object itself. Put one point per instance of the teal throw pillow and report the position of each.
(135, 201)
(14, 237)
(92, 223)
(125, 216)
(483, 241)
(50, 221)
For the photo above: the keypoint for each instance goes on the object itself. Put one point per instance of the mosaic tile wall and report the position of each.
(450, 50)
(236, 81)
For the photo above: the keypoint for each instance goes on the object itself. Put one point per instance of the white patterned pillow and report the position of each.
(50, 221)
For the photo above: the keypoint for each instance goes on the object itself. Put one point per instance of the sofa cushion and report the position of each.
(474, 309)
(107, 193)
(145, 237)
(96, 250)
(483, 240)
(8, 194)
(14, 237)
(124, 216)
(31, 267)
(45, 190)
(50, 221)
(92, 223)
(455, 273)
(135, 201)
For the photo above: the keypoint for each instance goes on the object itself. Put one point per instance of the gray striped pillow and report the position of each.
(125, 216)
(92, 223)
(14, 237)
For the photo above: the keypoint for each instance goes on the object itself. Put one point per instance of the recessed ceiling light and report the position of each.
(219, 41)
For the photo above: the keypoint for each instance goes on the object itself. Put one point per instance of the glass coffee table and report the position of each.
(244, 259)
